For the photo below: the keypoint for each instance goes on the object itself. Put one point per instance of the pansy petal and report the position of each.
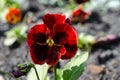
(37, 34)
(54, 54)
(38, 53)
(66, 35)
(60, 18)
(14, 10)
(70, 51)
(51, 19)
(68, 21)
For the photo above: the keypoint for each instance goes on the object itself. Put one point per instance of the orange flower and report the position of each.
(13, 16)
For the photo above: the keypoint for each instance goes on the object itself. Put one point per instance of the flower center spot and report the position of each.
(50, 42)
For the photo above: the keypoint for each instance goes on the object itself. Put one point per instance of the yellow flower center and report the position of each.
(50, 42)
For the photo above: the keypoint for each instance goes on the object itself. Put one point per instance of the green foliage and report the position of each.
(74, 69)
(60, 3)
(59, 74)
(85, 41)
(8, 3)
(71, 6)
(42, 72)
(74, 73)
(26, 70)
(15, 34)
(21, 65)
(2, 4)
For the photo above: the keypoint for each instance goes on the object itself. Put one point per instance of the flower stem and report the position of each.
(55, 72)
(36, 72)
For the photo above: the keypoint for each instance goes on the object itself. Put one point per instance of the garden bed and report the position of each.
(104, 58)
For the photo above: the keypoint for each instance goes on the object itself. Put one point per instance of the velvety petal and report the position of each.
(84, 16)
(51, 19)
(66, 35)
(54, 54)
(70, 51)
(37, 34)
(38, 53)
(76, 12)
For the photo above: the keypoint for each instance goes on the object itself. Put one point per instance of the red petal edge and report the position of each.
(51, 19)
(37, 34)
(66, 35)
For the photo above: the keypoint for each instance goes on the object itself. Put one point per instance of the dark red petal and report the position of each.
(66, 35)
(51, 19)
(54, 54)
(68, 21)
(38, 53)
(37, 34)
(84, 16)
(70, 51)
(76, 12)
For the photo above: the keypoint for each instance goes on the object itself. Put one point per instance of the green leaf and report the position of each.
(23, 30)
(2, 4)
(42, 72)
(71, 6)
(26, 70)
(90, 39)
(85, 41)
(74, 69)
(59, 74)
(18, 33)
(81, 40)
(13, 3)
(9, 41)
(21, 65)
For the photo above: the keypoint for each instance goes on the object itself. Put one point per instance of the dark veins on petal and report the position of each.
(38, 33)
(39, 53)
(70, 51)
(40, 37)
(47, 20)
(54, 54)
(60, 37)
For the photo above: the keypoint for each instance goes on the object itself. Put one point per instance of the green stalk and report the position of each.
(36, 72)
(55, 72)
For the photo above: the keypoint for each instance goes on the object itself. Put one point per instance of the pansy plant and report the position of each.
(53, 40)
(79, 15)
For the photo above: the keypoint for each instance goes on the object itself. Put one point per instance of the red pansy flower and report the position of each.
(53, 40)
(80, 15)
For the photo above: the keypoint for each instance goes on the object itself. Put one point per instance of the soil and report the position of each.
(106, 54)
